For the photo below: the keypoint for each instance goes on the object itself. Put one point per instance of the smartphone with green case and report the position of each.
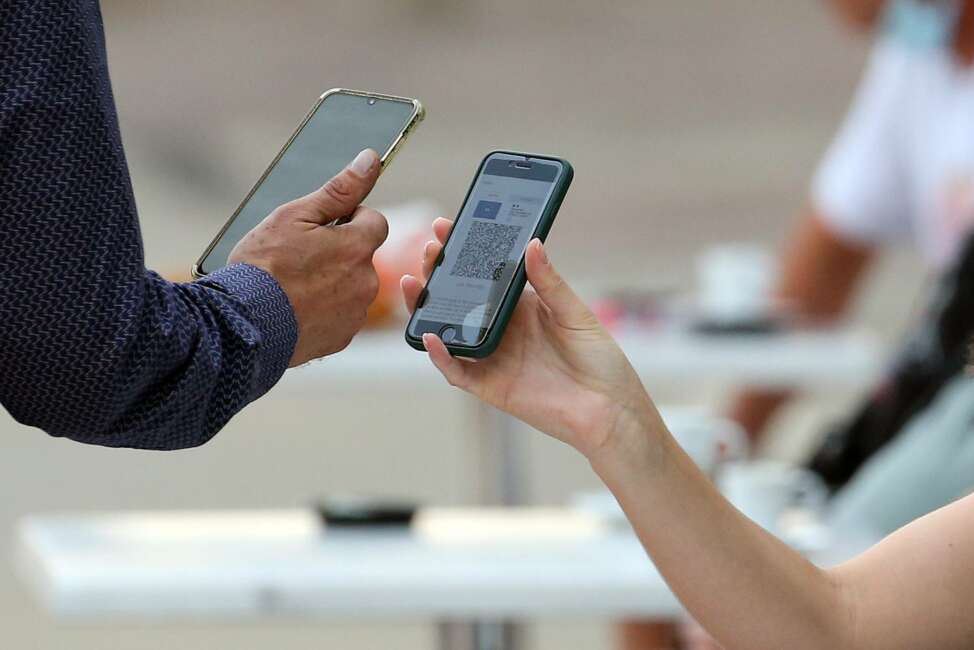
(479, 275)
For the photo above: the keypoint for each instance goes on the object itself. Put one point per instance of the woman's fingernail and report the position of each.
(544, 254)
(364, 162)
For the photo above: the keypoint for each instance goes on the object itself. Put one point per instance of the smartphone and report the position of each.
(479, 275)
(340, 125)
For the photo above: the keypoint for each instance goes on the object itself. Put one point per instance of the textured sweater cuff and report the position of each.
(267, 308)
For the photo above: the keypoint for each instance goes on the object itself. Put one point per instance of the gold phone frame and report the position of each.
(419, 112)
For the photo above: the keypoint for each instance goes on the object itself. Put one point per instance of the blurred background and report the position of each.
(688, 123)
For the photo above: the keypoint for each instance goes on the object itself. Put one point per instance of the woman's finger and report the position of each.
(411, 288)
(567, 308)
(441, 229)
(430, 254)
(455, 371)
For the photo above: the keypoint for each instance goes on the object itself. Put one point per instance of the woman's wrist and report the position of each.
(634, 443)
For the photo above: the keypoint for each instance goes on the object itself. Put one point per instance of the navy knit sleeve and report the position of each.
(92, 345)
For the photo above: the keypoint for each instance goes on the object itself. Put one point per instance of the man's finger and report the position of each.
(565, 306)
(346, 190)
(368, 223)
(411, 290)
(441, 229)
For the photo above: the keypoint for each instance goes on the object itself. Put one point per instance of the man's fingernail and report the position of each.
(544, 253)
(364, 162)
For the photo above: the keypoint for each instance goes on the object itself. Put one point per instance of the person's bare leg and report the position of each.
(646, 635)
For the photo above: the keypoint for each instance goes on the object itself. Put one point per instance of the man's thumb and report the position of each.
(340, 196)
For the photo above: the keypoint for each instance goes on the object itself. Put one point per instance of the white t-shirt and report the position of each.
(902, 166)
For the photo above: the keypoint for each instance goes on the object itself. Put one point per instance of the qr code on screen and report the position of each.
(486, 251)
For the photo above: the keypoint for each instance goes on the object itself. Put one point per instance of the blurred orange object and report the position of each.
(410, 227)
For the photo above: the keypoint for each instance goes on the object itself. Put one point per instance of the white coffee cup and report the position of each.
(735, 282)
(765, 490)
(707, 439)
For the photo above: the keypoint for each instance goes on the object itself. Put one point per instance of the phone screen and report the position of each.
(342, 125)
(495, 225)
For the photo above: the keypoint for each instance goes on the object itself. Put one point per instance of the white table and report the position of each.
(476, 572)
(454, 566)
(833, 358)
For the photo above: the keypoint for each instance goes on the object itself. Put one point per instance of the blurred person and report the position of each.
(558, 370)
(901, 169)
(95, 347)
(910, 448)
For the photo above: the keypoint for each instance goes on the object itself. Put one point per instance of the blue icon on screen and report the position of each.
(487, 210)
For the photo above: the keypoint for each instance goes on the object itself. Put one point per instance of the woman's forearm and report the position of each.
(745, 586)
(559, 370)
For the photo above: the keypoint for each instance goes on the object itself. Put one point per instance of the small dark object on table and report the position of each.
(364, 512)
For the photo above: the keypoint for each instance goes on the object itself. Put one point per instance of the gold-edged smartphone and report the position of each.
(340, 125)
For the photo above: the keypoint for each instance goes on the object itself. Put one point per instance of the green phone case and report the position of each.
(506, 308)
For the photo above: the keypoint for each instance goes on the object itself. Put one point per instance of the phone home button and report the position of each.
(448, 334)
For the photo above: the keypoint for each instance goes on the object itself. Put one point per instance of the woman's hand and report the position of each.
(556, 368)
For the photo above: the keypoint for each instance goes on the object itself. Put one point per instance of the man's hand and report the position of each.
(325, 269)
